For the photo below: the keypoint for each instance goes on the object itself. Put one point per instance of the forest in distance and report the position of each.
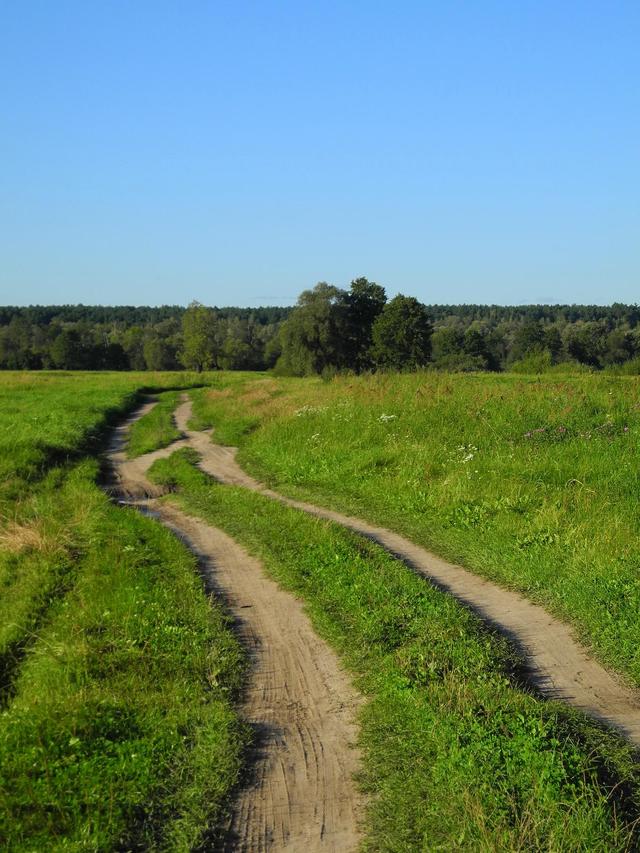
(329, 330)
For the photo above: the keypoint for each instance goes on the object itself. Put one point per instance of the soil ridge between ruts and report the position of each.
(299, 791)
(557, 664)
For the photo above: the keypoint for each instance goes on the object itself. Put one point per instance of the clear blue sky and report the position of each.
(237, 152)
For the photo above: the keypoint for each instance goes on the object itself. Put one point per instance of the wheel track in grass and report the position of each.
(557, 665)
(298, 793)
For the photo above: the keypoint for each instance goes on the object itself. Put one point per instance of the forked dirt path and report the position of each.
(558, 665)
(299, 794)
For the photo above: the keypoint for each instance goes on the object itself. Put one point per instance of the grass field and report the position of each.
(532, 482)
(117, 729)
(457, 755)
(119, 678)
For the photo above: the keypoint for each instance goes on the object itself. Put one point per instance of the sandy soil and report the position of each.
(559, 666)
(126, 478)
(299, 793)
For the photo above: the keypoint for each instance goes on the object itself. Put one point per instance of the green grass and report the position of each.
(49, 423)
(456, 755)
(54, 417)
(157, 428)
(117, 724)
(39, 561)
(530, 481)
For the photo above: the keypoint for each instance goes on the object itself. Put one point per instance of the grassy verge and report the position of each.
(117, 727)
(532, 482)
(121, 733)
(46, 514)
(39, 551)
(157, 428)
(456, 755)
(51, 418)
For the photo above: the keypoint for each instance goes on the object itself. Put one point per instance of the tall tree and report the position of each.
(528, 339)
(67, 351)
(199, 346)
(402, 334)
(586, 342)
(313, 337)
(363, 302)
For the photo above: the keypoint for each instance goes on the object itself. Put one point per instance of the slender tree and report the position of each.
(363, 303)
(198, 338)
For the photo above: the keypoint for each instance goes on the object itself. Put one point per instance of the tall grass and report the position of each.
(456, 755)
(530, 481)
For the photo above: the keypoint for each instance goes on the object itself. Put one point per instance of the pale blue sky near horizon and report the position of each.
(238, 152)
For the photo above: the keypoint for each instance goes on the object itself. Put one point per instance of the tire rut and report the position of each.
(299, 792)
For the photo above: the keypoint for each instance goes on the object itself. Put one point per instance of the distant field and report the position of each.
(532, 482)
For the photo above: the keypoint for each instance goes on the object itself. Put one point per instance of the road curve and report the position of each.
(299, 792)
(558, 665)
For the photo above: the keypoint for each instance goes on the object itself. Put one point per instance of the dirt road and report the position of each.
(299, 793)
(559, 666)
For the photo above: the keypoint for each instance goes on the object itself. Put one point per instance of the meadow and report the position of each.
(121, 676)
(529, 481)
(458, 754)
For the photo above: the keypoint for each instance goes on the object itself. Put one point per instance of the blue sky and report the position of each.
(237, 152)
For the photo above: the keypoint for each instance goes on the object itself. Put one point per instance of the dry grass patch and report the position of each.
(17, 537)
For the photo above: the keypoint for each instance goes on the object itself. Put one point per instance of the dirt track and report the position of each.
(559, 666)
(299, 794)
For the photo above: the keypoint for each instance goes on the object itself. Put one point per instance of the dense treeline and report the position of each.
(329, 329)
(402, 333)
(80, 337)
(616, 313)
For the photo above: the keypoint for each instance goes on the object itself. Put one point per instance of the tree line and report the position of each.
(131, 338)
(329, 329)
(358, 329)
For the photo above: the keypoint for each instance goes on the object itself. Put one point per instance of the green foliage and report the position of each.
(534, 362)
(401, 335)
(456, 756)
(330, 329)
(199, 345)
(364, 303)
(488, 337)
(313, 336)
(461, 363)
(74, 337)
(629, 368)
(67, 350)
(159, 353)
